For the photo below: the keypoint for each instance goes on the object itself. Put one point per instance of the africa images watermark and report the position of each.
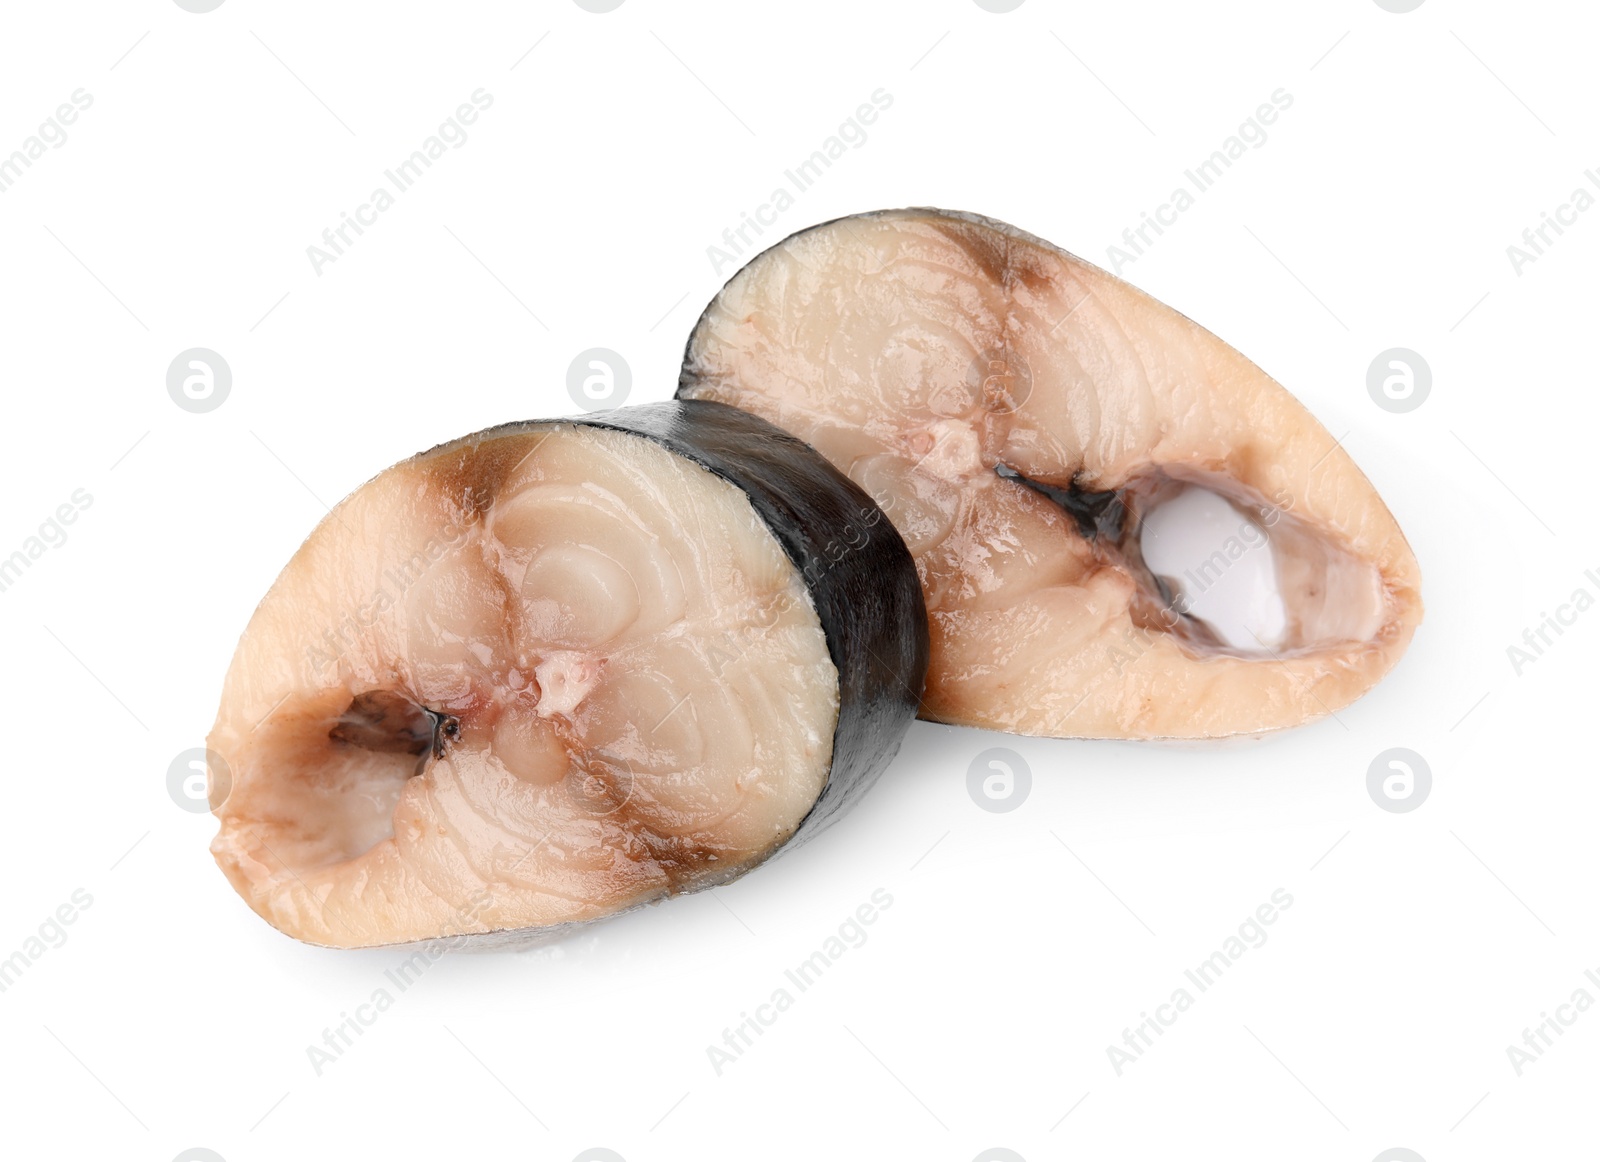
(50, 535)
(1541, 1037)
(1251, 134)
(852, 933)
(733, 642)
(852, 133)
(52, 933)
(1252, 533)
(51, 133)
(349, 632)
(1536, 239)
(339, 1039)
(1538, 638)
(1252, 933)
(451, 134)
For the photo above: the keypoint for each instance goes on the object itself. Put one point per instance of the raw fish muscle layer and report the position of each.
(552, 671)
(1019, 414)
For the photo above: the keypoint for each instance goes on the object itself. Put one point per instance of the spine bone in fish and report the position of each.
(552, 671)
(1123, 527)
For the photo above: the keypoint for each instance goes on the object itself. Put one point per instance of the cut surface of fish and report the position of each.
(552, 671)
(1123, 527)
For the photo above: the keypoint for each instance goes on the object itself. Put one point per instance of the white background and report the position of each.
(979, 1011)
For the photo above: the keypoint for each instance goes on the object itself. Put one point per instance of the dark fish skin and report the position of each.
(858, 571)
